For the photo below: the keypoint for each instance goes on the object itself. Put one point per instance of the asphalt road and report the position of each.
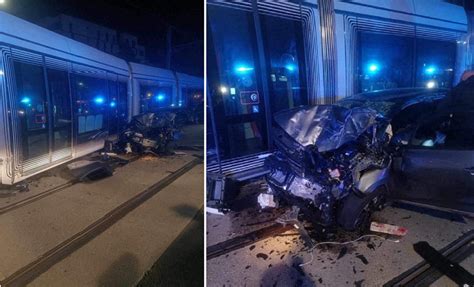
(182, 263)
(275, 261)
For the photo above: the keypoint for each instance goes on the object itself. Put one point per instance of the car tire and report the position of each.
(355, 210)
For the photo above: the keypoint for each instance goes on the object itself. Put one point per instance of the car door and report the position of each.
(437, 166)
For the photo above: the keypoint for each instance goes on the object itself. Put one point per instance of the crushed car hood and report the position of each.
(327, 127)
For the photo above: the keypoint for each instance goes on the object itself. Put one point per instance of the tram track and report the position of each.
(31, 199)
(423, 274)
(36, 197)
(241, 241)
(32, 270)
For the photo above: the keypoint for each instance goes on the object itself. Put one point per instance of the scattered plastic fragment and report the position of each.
(388, 229)
(266, 200)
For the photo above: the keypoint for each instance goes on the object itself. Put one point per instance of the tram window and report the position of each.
(234, 72)
(122, 103)
(155, 97)
(91, 104)
(284, 50)
(113, 96)
(58, 83)
(385, 62)
(32, 109)
(435, 63)
(192, 97)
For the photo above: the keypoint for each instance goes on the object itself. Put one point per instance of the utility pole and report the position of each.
(169, 47)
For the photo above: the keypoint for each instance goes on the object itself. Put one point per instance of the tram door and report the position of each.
(235, 87)
(60, 99)
(43, 108)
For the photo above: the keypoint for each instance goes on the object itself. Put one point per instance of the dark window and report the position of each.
(113, 107)
(385, 62)
(235, 82)
(211, 149)
(32, 109)
(447, 131)
(155, 97)
(193, 100)
(122, 104)
(284, 50)
(58, 83)
(232, 32)
(388, 61)
(435, 63)
(91, 106)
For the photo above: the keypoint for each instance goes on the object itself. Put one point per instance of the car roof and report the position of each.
(390, 102)
(393, 94)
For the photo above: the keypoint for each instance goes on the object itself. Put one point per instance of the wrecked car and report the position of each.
(335, 162)
(149, 133)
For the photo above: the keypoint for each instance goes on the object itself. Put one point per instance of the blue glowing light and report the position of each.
(242, 69)
(99, 100)
(431, 70)
(160, 97)
(113, 104)
(290, 67)
(373, 68)
(25, 100)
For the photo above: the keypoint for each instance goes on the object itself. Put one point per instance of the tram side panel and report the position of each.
(56, 111)
(4, 147)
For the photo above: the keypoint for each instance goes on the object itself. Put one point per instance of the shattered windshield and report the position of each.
(384, 108)
(389, 102)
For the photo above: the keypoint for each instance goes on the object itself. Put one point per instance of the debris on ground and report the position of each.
(388, 229)
(90, 170)
(266, 200)
(8, 190)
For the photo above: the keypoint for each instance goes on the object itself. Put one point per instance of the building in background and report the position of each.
(119, 44)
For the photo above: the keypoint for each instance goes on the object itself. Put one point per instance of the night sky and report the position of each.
(148, 20)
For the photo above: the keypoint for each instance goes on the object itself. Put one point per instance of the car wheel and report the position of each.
(355, 210)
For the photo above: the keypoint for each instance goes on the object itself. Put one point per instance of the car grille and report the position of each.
(291, 150)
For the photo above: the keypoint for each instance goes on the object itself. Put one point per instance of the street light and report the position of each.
(2, 2)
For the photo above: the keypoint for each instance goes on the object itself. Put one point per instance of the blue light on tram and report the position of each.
(160, 97)
(113, 104)
(290, 67)
(431, 70)
(243, 69)
(99, 100)
(25, 100)
(373, 68)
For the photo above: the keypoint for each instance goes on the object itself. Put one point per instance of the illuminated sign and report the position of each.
(249, 97)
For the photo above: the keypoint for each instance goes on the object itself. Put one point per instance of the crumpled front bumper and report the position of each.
(315, 202)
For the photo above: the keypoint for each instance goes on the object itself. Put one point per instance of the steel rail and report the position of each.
(32, 270)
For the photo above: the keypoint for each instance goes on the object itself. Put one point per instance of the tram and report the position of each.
(61, 99)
